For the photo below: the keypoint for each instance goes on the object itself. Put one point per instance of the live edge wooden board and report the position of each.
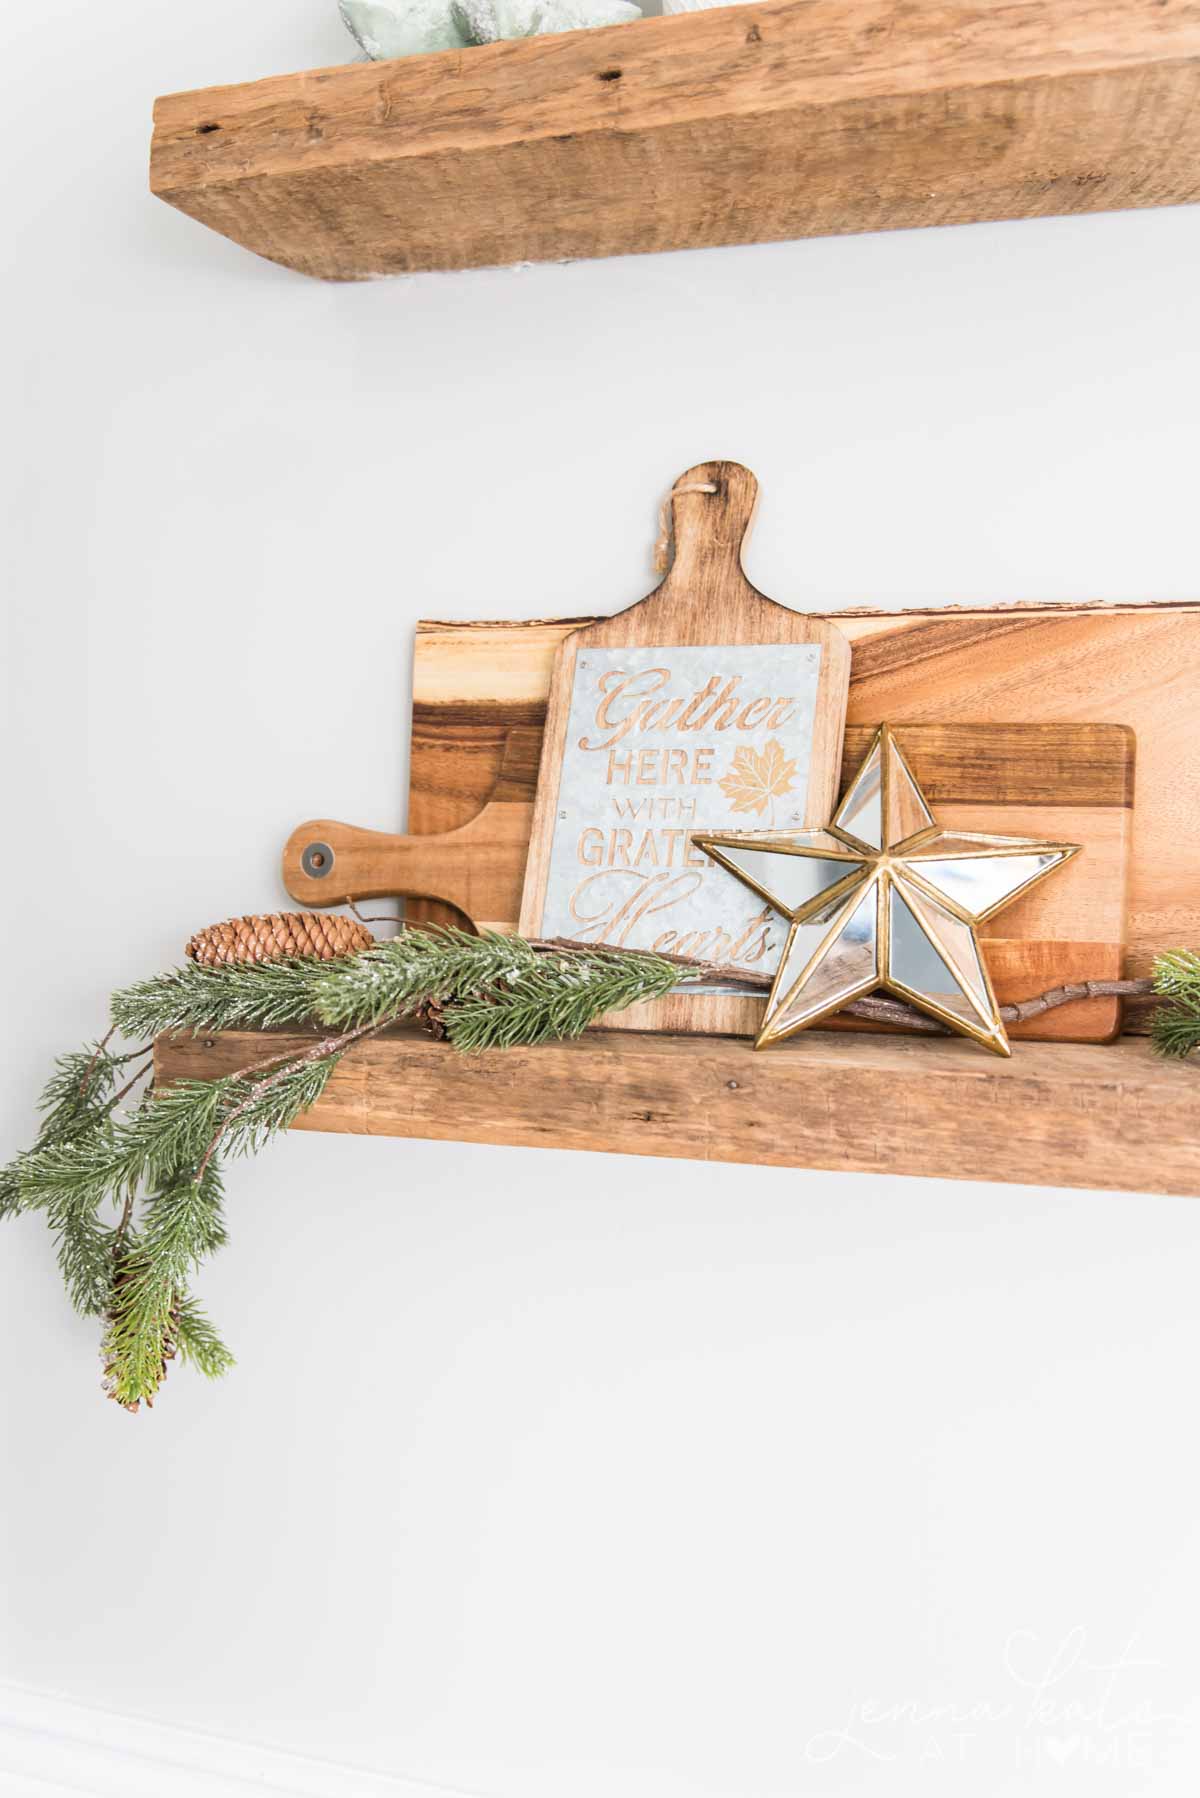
(479, 696)
(791, 118)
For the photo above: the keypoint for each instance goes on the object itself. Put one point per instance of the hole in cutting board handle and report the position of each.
(317, 860)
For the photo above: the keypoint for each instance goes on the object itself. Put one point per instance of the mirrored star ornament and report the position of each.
(884, 900)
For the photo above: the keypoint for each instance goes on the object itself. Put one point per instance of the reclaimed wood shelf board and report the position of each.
(743, 124)
(1055, 1114)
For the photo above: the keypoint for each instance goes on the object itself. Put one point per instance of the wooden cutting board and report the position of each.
(703, 701)
(1066, 783)
(1137, 665)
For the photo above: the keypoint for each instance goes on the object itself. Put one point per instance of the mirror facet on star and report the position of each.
(884, 899)
(789, 868)
(972, 874)
(883, 806)
(829, 959)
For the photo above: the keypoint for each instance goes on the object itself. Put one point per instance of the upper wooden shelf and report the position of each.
(1055, 1114)
(793, 118)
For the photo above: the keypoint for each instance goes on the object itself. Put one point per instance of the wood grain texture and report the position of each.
(1011, 764)
(1053, 1115)
(704, 599)
(1067, 783)
(477, 870)
(474, 872)
(1062, 783)
(792, 118)
(1137, 665)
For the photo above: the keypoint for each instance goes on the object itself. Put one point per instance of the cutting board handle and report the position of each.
(477, 868)
(326, 863)
(710, 529)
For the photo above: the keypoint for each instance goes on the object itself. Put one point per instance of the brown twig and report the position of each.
(876, 1009)
(129, 1085)
(127, 1210)
(90, 1069)
(123, 1225)
(1067, 995)
(328, 1045)
(375, 917)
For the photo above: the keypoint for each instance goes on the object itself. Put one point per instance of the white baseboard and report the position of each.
(51, 1747)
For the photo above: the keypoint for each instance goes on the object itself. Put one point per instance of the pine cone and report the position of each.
(279, 936)
(431, 1016)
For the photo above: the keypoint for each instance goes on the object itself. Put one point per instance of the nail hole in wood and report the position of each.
(203, 130)
(609, 75)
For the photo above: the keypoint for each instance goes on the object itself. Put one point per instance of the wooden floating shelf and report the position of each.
(1054, 1114)
(752, 123)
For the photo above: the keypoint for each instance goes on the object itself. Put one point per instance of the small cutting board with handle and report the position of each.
(704, 706)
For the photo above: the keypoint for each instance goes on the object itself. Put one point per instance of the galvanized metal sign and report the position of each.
(662, 743)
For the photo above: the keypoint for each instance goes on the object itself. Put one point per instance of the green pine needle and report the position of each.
(497, 991)
(1175, 1026)
(75, 1106)
(392, 979)
(258, 1109)
(551, 997)
(197, 1342)
(131, 1259)
(75, 1100)
(10, 1191)
(167, 1131)
(78, 1089)
(250, 996)
(83, 1247)
(182, 1224)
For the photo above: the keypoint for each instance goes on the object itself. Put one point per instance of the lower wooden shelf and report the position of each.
(1056, 1114)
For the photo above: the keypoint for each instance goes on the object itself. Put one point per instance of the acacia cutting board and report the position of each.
(1130, 664)
(703, 700)
(1063, 782)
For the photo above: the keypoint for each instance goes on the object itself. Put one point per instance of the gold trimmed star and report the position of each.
(884, 899)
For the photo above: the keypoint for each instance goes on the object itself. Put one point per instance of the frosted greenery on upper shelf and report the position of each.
(387, 28)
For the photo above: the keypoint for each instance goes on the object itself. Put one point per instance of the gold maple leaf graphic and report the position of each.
(755, 780)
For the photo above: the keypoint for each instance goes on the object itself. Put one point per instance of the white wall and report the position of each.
(541, 1474)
